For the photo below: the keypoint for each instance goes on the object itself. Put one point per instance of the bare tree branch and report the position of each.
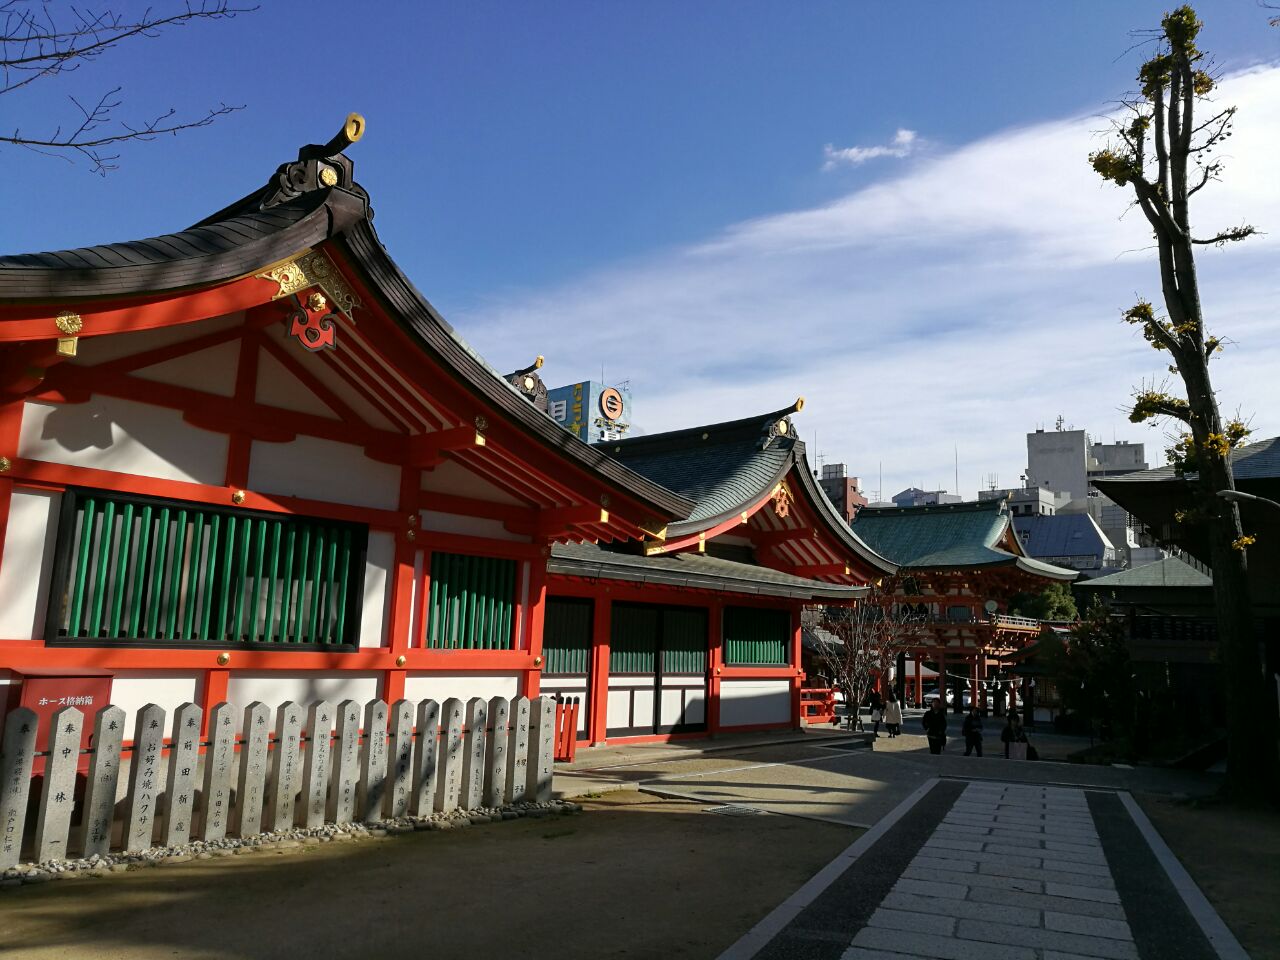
(36, 45)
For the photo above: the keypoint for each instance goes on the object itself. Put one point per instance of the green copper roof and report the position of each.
(946, 535)
(721, 467)
(1169, 572)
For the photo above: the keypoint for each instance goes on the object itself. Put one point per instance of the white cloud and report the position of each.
(902, 144)
(965, 302)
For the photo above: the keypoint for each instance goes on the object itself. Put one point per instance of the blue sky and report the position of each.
(882, 206)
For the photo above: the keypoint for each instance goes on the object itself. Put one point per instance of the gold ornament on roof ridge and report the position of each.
(314, 269)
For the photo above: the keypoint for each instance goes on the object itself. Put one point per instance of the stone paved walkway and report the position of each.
(1012, 872)
(988, 870)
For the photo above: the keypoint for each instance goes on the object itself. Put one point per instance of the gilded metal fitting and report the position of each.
(224, 659)
(401, 660)
(237, 497)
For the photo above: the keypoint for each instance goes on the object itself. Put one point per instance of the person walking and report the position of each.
(935, 725)
(893, 716)
(1014, 738)
(877, 714)
(972, 730)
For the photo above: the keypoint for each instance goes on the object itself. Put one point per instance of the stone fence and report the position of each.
(316, 765)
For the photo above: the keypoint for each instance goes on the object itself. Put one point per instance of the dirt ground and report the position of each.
(1232, 854)
(633, 876)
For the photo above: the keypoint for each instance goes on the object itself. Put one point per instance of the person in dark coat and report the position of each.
(1014, 737)
(972, 730)
(935, 725)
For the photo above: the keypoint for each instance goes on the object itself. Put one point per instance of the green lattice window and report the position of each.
(131, 569)
(641, 633)
(472, 603)
(633, 638)
(566, 636)
(756, 637)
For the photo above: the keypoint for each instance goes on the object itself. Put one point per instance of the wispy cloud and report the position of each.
(904, 142)
(966, 301)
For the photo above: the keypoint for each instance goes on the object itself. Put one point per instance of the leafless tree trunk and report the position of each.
(1164, 154)
(871, 635)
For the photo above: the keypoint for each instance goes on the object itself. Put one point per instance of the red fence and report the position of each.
(817, 705)
(566, 747)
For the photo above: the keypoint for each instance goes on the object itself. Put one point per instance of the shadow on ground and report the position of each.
(634, 876)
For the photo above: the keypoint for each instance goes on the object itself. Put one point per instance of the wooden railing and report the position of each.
(566, 747)
(818, 705)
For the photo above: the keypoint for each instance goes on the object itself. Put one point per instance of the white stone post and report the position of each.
(58, 794)
(449, 786)
(346, 764)
(425, 759)
(373, 761)
(253, 769)
(180, 784)
(104, 776)
(495, 758)
(16, 757)
(219, 761)
(315, 769)
(144, 777)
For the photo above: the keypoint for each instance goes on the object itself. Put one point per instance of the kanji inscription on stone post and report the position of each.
(100, 789)
(180, 784)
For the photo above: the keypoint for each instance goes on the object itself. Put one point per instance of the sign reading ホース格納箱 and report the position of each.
(46, 695)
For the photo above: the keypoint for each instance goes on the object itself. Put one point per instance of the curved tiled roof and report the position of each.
(946, 536)
(721, 467)
(692, 570)
(307, 202)
(205, 254)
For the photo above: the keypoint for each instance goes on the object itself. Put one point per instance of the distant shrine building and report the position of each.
(249, 461)
(959, 565)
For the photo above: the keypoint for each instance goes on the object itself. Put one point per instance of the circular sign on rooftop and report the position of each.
(611, 403)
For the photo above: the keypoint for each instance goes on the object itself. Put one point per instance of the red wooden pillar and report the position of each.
(392, 681)
(601, 620)
(973, 679)
(715, 663)
(798, 679)
(213, 693)
(942, 676)
(534, 618)
(917, 688)
(10, 426)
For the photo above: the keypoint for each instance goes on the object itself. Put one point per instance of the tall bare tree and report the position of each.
(40, 40)
(867, 640)
(1164, 153)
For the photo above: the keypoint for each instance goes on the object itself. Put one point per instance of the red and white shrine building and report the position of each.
(249, 461)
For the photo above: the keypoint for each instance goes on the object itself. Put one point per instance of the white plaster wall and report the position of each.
(27, 563)
(745, 702)
(376, 614)
(323, 470)
(301, 686)
(277, 387)
(131, 690)
(464, 686)
(106, 433)
(96, 350)
(212, 370)
(452, 478)
(468, 526)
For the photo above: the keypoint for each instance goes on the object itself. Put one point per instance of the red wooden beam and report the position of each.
(428, 449)
(39, 473)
